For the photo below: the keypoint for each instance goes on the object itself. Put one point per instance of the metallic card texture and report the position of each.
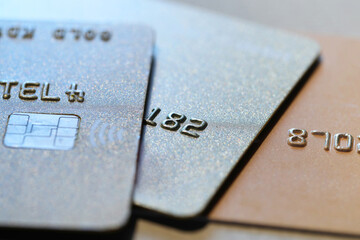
(230, 73)
(82, 177)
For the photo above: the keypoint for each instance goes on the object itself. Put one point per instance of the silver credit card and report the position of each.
(217, 82)
(72, 98)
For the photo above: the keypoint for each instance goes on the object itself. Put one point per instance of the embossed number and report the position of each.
(150, 119)
(297, 137)
(105, 36)
(78, 34)
(59, 34)
(327, 138)
(200, 125)
(337, 140)
(90, 35)
(173, 121)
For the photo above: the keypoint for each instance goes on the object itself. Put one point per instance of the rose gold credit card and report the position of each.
(306, 173)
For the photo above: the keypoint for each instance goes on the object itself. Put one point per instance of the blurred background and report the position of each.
(340, 17)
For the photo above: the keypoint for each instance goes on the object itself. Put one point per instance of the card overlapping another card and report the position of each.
(305, 173)
(217, 81)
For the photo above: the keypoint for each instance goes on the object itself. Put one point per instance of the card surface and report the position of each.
(72, 99)
(305, 174)
(216, 83)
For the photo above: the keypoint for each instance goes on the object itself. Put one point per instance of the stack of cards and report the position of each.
(161, 112)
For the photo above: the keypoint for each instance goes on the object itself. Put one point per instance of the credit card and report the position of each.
(213, 231)
(305, 173)
(72, 100)
(216, 83)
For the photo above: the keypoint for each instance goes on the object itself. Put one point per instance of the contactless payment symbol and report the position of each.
(41, 131)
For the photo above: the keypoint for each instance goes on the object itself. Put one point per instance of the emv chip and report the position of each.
(41, 131)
